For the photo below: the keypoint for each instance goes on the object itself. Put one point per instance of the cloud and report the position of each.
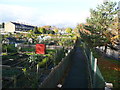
(16, 12)
(28, 1)
(65, 17)
(34, 16)
(45, 1)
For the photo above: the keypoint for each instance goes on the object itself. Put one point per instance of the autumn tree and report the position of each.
(55, 30)
(115, 31)
(100, 22)
(68, 30)
(47, 27)
(42, 30)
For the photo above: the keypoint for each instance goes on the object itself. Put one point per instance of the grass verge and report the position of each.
(110, 69)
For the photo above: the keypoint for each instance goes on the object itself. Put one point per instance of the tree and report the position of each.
(75, 30)
(88, 36)
(3, 25)
(36, 30)
(115, 31)
(55, 30)
(100, 21)
(42, 30)
(68, 30)
(4, 48)
(50, 32)
(32, 35)
(47, 27)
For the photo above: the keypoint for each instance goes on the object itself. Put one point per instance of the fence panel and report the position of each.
(97, 80)
(56, 74)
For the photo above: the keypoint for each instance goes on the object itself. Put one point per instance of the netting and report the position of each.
(97, 80)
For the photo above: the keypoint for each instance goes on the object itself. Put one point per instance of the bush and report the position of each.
(59, 55)
(43, 62)
(35, 58)
(10, 48)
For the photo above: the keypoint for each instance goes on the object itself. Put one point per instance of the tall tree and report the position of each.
(100, 22)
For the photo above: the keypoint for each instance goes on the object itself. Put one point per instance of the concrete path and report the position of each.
(78, 74)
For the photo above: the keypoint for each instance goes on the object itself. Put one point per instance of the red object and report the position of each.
(40, 48)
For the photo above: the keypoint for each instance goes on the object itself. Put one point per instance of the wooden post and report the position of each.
(37, 68)
(37, 72)
(95, 68)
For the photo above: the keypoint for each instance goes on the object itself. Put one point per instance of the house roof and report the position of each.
(23, 25)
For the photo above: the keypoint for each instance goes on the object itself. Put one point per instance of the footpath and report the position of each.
(78, 75)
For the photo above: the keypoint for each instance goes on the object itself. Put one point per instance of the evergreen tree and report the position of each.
(100, 23)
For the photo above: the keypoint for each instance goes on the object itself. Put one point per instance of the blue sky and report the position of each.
(65, 13)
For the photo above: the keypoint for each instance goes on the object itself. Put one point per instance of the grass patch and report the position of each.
(110, 69)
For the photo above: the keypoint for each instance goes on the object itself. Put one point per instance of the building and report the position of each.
(61, 31)
(17, 27)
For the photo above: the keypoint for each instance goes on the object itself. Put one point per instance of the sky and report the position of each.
(60, 13)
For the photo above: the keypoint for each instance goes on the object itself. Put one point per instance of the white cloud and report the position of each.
(34, 16)
(11, 10)
(15, 12)
(47, 1)
(59, 18)
(55, 0)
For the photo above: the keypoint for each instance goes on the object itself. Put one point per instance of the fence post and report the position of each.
(95, 68)
(91, 58)
(37, 72)
(37, 68)
(15, 81)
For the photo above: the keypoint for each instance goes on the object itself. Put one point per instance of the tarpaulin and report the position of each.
(40, 48)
